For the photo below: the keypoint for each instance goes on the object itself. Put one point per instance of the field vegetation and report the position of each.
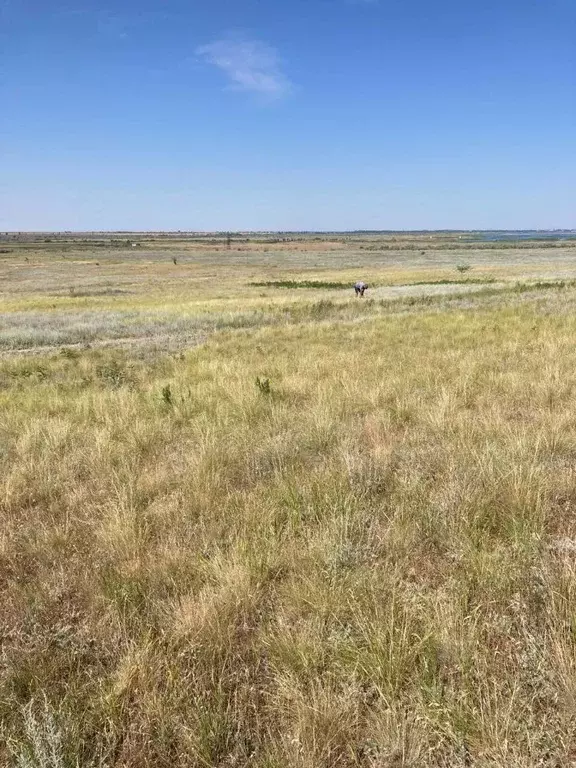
(246, 524)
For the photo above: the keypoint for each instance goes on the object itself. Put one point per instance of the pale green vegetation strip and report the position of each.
(21, 330)
(333, 284)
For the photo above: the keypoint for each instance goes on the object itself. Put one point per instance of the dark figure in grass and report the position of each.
(359, 288)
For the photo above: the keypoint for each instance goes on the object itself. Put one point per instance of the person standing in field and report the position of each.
(359, 288)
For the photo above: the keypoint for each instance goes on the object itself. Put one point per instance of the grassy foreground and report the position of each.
(364, 558)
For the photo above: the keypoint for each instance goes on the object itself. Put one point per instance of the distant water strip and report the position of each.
(522, 235)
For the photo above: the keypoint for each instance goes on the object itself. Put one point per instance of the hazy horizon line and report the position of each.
(275, 231)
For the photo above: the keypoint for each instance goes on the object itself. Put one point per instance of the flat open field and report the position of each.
(247, 519)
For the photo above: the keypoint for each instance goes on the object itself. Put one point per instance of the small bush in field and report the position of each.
(167, 396)
(263, 385)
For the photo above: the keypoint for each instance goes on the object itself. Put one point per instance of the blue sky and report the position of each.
(308, 114)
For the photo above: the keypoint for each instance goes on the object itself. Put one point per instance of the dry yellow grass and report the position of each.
(369, 563)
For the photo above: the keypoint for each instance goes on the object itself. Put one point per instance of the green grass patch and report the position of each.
(544, 284)
(302, 284)
(448, 281)
(335, 285)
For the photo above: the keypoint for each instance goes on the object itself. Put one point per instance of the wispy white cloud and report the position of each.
(250, 65)
(112, 25)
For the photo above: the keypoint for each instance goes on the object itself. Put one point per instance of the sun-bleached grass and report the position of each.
(371, 564)
(22, 330)
(368, 563)
(181, 325)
